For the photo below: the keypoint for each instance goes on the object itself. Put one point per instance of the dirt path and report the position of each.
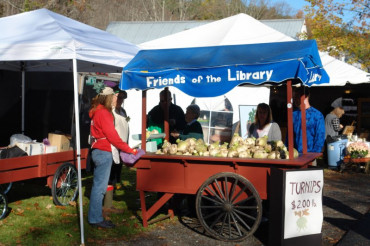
(345, 200)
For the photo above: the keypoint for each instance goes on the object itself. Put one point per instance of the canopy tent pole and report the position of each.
(290, 118)
(166, 125)
(23, 94)
(303, 123)
(78, 148)
(143, 123)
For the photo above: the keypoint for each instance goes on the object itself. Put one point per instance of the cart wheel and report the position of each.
(65, 184)
(229, 207)
(5, 188)
(3, 206)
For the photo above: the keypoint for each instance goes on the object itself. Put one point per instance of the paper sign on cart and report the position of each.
(303, 203)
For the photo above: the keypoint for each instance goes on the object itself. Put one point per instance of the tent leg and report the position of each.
(23, 99)
(78, 148)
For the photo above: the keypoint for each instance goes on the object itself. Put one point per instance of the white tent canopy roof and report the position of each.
(42, 40)
(46, 41)
(243, 29)
(237, 29)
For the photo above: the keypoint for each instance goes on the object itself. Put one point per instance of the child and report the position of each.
(193, 129)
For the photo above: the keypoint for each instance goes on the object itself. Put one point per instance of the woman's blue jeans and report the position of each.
(103, 162)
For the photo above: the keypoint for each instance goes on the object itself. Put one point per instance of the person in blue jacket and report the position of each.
(315, 123)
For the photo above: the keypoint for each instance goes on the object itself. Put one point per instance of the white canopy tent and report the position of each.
(42, 40)
(243, 29)
(237, 29)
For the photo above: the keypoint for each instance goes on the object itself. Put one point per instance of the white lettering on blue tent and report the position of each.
(314, 77)
(153, 81)
(240, 75)
(213, 79)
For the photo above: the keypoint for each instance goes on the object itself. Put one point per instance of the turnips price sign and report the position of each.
(303, 203)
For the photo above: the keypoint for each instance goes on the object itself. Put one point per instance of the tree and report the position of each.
(99, 13)
(341, 28)
(263, 9)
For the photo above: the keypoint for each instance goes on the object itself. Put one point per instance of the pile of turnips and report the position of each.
(238, 147)
(148, 133)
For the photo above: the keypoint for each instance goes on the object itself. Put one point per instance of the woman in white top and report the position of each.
(263, 124)
(122, 127)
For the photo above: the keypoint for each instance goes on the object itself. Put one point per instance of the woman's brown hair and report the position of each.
(105, 100)
(264, 107)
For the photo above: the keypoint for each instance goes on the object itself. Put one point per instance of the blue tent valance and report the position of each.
(213, 71)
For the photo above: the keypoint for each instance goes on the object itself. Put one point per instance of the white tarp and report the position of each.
(243, 29)
(42, 40)
(53, 40)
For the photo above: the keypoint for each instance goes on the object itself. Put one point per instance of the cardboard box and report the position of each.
(62, 142)
(32, 148)
(150, 146)
(348, 130)
(50, 149)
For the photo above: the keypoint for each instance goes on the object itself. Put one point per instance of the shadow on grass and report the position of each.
(192, 222)
(186, 213)
(27, 189)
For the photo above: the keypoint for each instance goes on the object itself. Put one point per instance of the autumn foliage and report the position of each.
(341, 28)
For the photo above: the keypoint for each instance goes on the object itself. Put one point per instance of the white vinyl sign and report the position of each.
(303, 203)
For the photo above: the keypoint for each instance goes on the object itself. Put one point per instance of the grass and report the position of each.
(35, 220)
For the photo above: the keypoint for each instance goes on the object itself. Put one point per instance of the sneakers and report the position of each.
(104, 224)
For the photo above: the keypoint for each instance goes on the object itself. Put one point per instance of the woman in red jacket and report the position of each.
(104, 135)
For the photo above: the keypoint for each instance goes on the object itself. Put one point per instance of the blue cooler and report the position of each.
(336, 152)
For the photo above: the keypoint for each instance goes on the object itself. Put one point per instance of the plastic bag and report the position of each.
(19, 138)
(130, 159)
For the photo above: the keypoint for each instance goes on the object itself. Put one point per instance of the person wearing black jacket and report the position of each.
(176, 114)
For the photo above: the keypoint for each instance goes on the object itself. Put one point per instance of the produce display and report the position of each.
(238, 147)
(148, 133)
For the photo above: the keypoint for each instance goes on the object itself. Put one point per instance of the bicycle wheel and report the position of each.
(3, 205)
(5, 188)
(65, 184)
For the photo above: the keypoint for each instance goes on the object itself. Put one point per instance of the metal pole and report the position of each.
(78, 148)
(23, 95)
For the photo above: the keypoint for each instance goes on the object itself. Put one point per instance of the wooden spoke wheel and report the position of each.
(3, 205)
(65, 184)
(229, 207)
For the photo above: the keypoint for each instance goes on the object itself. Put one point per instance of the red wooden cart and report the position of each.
(349, 163)
(59, 169)
(229, 191)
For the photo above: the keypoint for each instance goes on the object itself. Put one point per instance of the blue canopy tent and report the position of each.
(213, 71)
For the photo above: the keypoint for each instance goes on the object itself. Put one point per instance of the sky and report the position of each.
(299, 5)
(295, 4)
